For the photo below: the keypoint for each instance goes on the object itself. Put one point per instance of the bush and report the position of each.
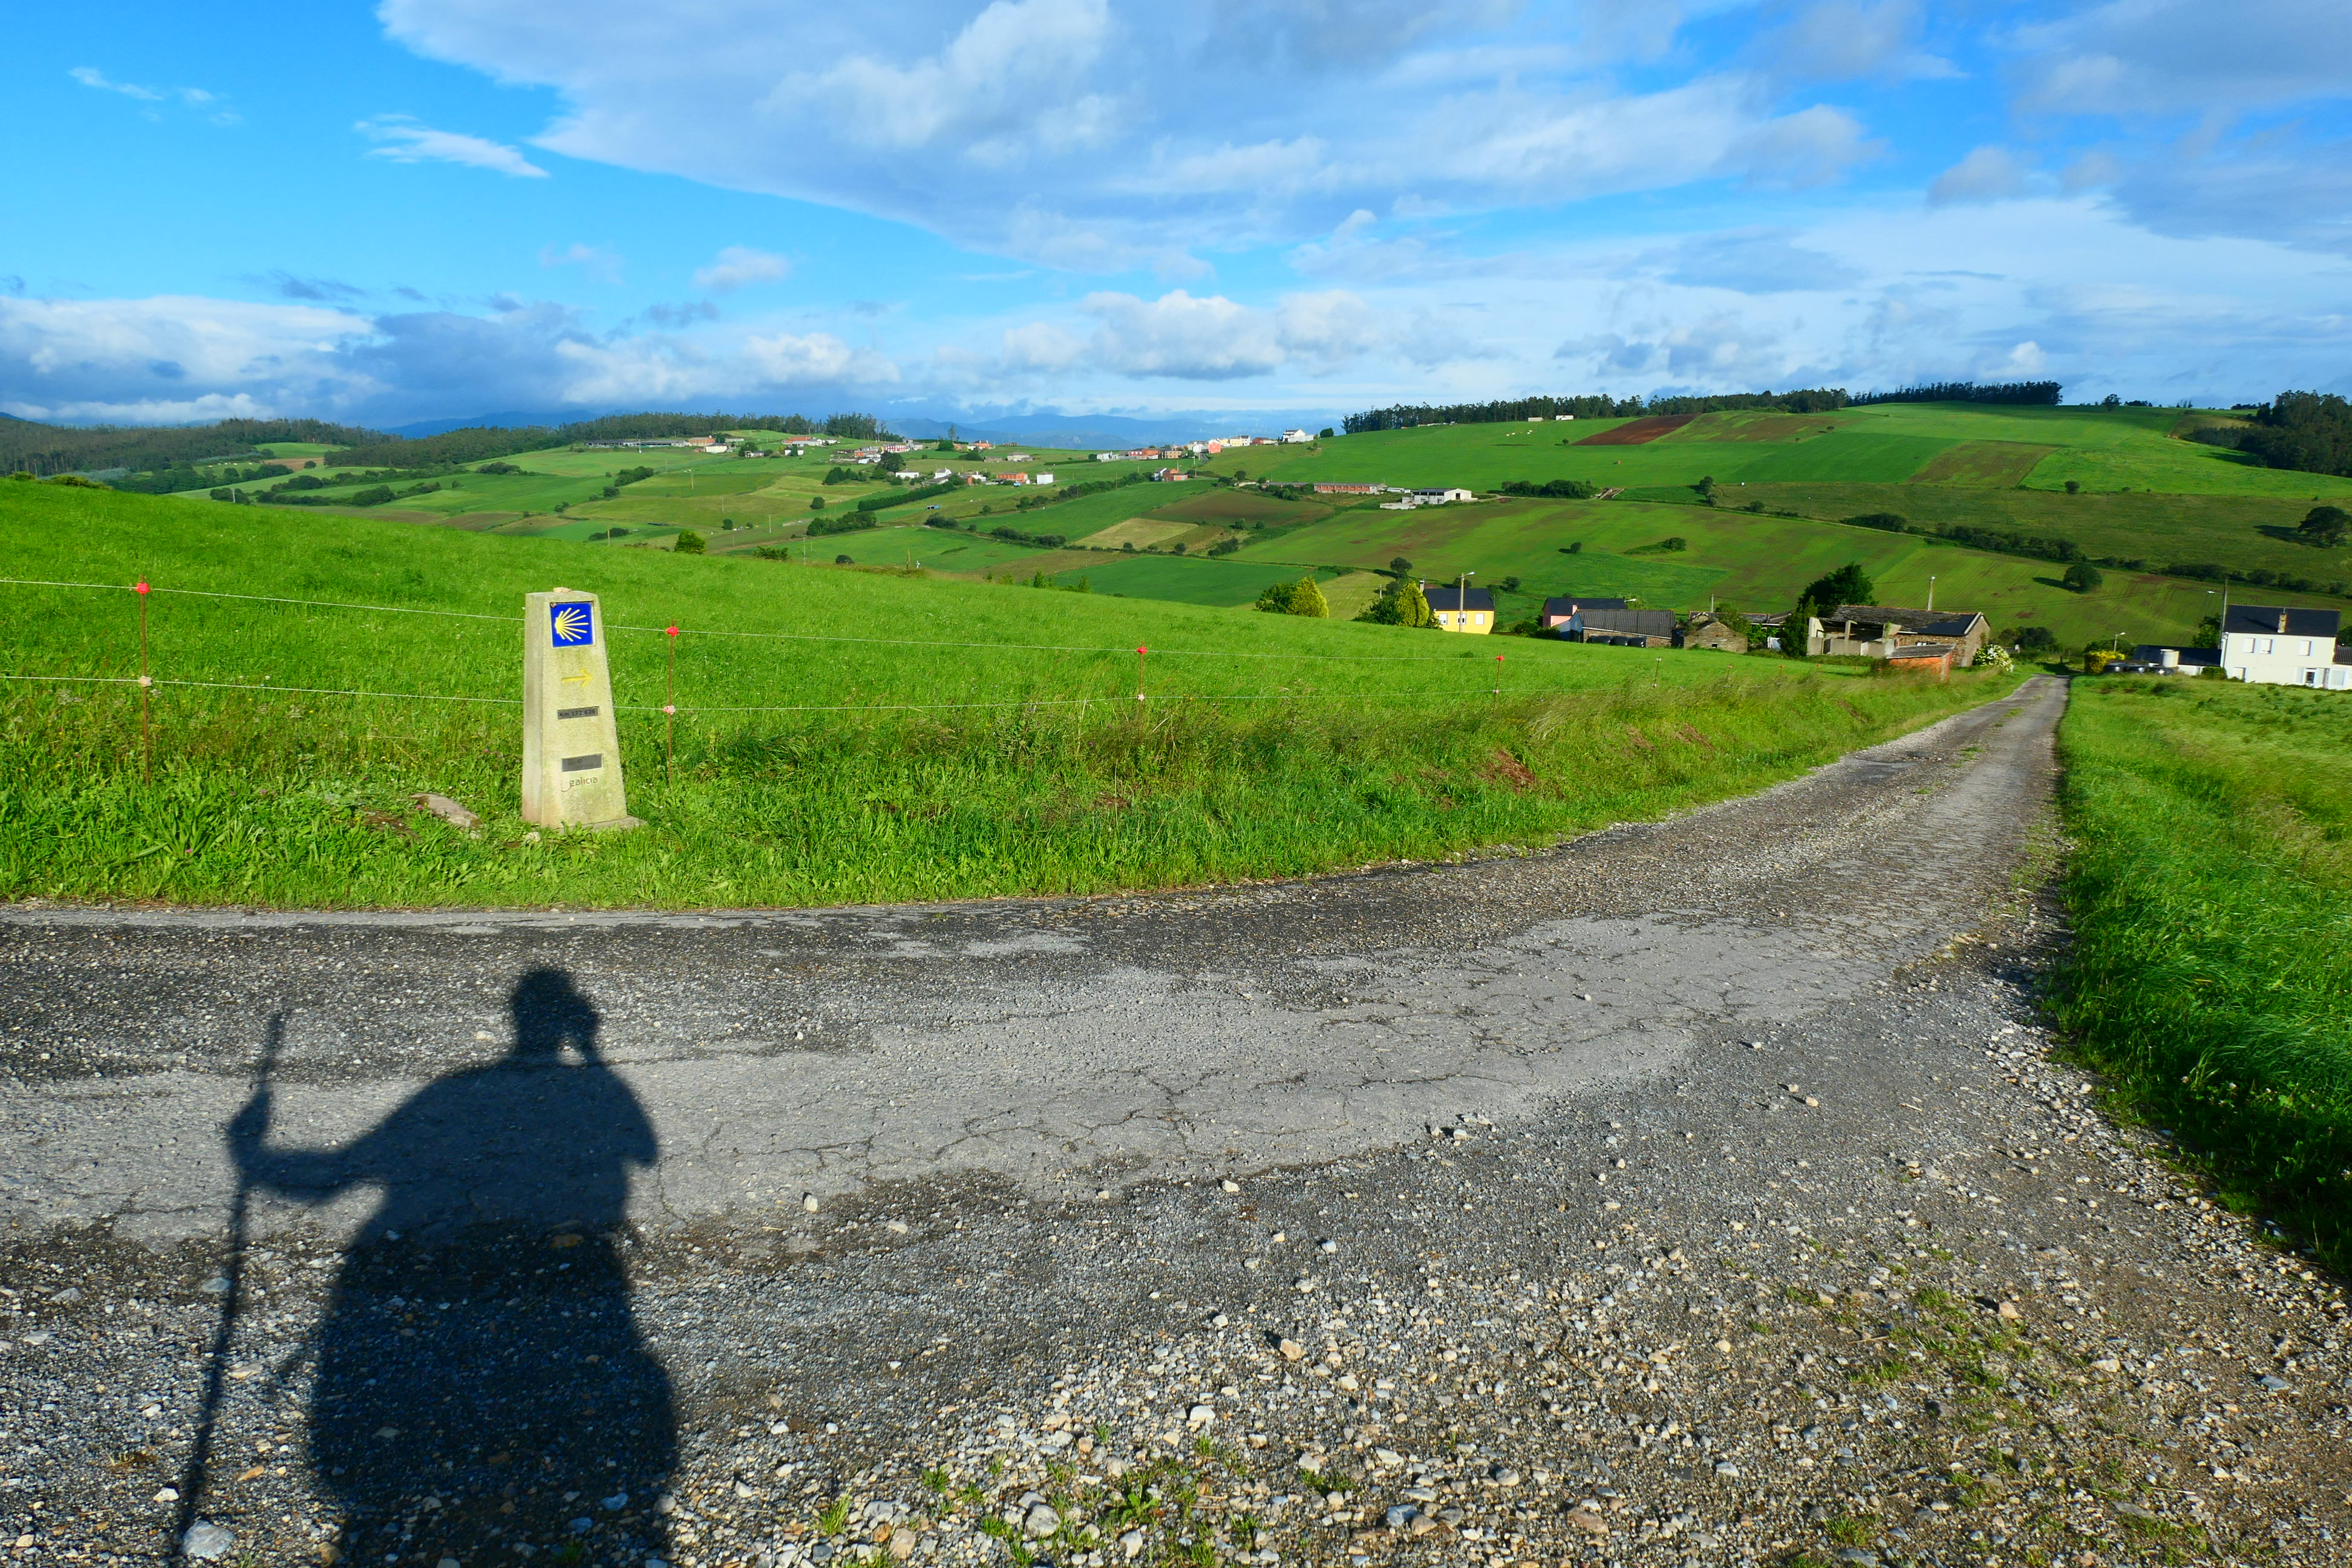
(1401, 603)
(1551, 489)
(820, 526)
(2082, 578)
(688, 543)
(1299, 599)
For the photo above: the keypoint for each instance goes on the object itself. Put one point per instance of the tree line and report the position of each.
(474, 443)
(40, 449)
(29, 446)
(1595, 406)
(2307, 431)
(2029, 393)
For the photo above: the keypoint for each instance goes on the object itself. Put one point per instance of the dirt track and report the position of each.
(1697, 1191)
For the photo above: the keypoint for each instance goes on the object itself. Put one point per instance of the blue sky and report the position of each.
(445, 208)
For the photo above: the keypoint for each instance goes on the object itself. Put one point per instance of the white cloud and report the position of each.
(1987, 175)
(1752, 261)
(739, 267)
(1106, 135)
(2141, 58)
(91, 77)
(1214, 339)
(1836, 39)
(406, 142)
(193, 98)
(145, 360)
(605, 266)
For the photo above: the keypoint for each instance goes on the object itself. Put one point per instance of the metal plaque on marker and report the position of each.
(570, 747)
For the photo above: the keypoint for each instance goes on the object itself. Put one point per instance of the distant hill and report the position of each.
(1107, 432)
(30, 446)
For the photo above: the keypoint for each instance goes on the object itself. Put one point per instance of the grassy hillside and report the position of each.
(2212, 969)
(2145, 497)
(843, 734)
(1751, 562)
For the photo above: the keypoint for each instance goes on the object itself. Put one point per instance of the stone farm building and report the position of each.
(1559, 612)
(1881, 631)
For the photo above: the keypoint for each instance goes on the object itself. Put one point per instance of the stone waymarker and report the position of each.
(570, 747)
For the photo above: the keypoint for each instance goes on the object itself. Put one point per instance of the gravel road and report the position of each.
(1705, 1192)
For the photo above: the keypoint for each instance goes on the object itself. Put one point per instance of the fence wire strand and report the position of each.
(769, 637)
(250, 689)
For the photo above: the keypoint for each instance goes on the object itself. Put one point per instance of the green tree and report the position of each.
(1401, 603)
(2325, 525)
(2082, 578)
(1849, 584)
(688, 543)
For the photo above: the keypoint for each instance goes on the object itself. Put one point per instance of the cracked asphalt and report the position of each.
(1701, 1190)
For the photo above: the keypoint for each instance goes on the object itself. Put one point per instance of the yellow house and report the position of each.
(1457, 611)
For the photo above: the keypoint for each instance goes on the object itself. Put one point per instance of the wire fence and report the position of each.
(146, 682)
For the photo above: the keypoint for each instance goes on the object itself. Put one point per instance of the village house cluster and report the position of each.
(2266, 644)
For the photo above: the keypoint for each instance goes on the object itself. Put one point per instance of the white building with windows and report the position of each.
(2272, 645)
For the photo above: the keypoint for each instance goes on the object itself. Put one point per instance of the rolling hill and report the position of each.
(1760, 499)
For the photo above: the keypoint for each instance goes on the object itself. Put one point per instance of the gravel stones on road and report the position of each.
(1930, 1307)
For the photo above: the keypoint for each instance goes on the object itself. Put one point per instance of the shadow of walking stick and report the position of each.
(195, 1478)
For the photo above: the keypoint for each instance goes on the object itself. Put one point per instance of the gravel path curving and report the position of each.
(1699, 1191)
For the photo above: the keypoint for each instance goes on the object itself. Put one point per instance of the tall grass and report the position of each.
(2212, 890)
(1382, 744)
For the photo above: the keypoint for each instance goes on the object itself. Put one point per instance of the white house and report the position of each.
(2272, 645)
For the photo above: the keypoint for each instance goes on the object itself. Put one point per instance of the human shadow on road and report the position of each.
(481, 1382)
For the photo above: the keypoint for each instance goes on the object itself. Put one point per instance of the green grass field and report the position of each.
(2211, 971)
(2146, 495)
(1178, 579)
(843, 735)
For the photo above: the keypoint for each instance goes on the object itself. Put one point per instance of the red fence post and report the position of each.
(669, 710)
(146, 685)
